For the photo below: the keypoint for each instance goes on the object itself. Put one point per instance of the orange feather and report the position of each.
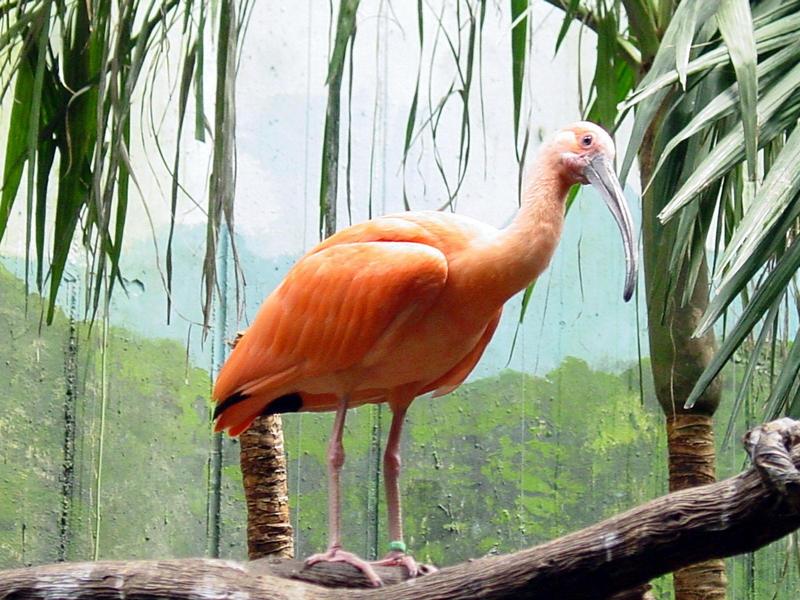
(360, 314)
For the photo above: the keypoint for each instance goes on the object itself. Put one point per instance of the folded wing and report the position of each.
(332, 308)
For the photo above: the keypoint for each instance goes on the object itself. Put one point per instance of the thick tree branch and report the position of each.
(736, 515)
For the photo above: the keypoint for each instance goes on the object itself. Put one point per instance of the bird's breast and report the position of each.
(420, 354)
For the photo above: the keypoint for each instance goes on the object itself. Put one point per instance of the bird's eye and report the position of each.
(587, 140)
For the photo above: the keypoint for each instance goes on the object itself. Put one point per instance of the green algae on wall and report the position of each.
(503, 463)
(152, 499)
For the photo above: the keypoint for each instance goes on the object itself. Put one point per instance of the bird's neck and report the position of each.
(526, 246)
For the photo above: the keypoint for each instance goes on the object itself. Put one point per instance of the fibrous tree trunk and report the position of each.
(266, 487)
(269, 530)
(677, 360)
(690, 439)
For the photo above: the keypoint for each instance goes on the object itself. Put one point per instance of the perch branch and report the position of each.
(736, 515)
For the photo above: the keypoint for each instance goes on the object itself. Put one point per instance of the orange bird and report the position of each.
(402, 305)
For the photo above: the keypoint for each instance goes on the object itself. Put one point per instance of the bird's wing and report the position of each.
(332, 308)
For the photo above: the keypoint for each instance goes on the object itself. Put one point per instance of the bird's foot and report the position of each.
(336, 554)
(398, 558)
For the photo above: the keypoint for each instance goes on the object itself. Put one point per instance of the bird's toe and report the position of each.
(339, 555)
(396, 558)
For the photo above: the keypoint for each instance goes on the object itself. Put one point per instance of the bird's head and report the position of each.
(576, 146)
(584, 153)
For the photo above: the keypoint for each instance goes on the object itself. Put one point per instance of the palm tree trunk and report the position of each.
(677, 359)
(269, 531)
(690, 439)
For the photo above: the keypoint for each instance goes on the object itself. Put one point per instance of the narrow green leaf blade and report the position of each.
(736, 27)
(650, 93)
(16, 144)
(778, 397)
(605, 83)
(771, 36)
(519, 36)
(772, 288)
(778, 190)
(683, 43)
(750, 369)
(44, 164)
(730, 149)
(642, 20)
(723, 104)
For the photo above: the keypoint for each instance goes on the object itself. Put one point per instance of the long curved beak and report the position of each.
(601, 175)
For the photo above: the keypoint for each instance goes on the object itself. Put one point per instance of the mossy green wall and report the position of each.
(503, 463)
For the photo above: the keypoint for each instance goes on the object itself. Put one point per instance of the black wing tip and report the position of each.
(284, 404)
(231, 400)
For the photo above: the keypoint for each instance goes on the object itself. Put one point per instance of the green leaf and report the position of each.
(723, 104)
(187, 73)
(123, 182)
(345, 30)
(222, 184)
(730, 149)
(650, 94)
(345, 26)
(769, 37)
(44, 164)
(779, 189)
(739, 279)
(199, 110)
(778, 397)
(519, 37)
(570, 14)
(736, 27)
(20, 24)
(33, 135)
(16, 144)
(643, 23)
(772, 288)
(605, 83)
(750, 369)
(683, 43)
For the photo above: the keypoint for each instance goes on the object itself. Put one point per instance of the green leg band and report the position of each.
(398, 545)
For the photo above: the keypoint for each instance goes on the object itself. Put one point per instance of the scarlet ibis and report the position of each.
(402, 305)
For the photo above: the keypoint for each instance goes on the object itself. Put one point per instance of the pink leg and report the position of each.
(391, 473)
(391, 470)
(334, 552)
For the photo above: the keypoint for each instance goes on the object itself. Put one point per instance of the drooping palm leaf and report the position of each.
(71, 107)
(780, 101)
(686, 17)
(725, 102)
(345, 32)
(736, 27)
(222, 180)
(724, 83)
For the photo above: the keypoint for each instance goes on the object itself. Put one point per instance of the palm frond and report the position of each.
(345, 33)
(71, 107)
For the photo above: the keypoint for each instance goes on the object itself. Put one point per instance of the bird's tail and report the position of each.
(239, 410)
